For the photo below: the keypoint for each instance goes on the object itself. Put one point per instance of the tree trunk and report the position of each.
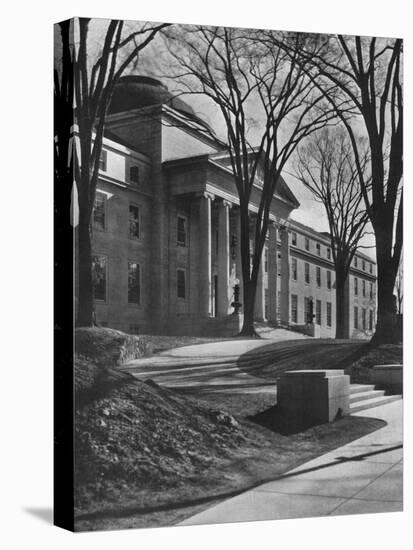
(386, 278)
(341, 306)
(86, 301)
(248, 329)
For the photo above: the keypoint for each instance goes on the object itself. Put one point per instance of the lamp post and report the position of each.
(236, 304)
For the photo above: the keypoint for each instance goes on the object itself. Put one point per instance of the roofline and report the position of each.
(113, 141)
(326, 239)
(209, 158)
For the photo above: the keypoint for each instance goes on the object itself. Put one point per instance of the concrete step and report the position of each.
(365, 395)
(371, 403)
(360, 388)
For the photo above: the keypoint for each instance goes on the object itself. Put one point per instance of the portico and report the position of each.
(208, 191)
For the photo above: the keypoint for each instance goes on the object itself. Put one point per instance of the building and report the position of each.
(312, 280)
(166, 232)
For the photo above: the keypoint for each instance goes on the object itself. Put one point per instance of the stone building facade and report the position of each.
(166, 232)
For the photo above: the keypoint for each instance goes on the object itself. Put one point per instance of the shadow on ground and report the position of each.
(273, 360)
(278, 421)
(44, 514)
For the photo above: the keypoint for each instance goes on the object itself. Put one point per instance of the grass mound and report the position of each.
(110, 347)
(386, 354)
(135, 438)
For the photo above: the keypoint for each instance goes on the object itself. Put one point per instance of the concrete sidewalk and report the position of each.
(222, 351)
(364, 476)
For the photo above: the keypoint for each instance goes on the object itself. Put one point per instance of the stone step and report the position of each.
(360, 388)
(364, 395)
(371, 403)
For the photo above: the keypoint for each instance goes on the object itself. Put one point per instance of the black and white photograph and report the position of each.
(229, 201)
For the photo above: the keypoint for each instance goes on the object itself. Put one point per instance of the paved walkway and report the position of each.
(364, 476)
(242, 365)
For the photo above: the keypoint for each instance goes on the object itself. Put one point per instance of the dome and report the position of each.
(135, 91)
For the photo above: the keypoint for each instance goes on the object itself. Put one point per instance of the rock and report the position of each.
(225, 418)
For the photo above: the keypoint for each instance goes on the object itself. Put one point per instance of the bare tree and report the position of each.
(327, 168)
(253, 84)
(368, 72)
(90, 90)
(398, 288)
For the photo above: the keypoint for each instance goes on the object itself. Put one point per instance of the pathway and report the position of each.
(364, 476)
(247, 366)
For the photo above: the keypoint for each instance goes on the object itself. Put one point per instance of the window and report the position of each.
(329, 280)
(307, 273)
(103, 160)
(356, 317)
(134, 174)
(329, 316)
(266, 303)
(278, 234)
(363, 265)
(371, 268)
(307, 243)
(99, 277)
(318, 249)
(363, 288)
(328, 253)
(355, 261)
(307, 311)
(134, 283)
(363, 318)
(356, 286)
(371, 291)
(294, 238)
(294, 269)
(181, 231)
(134, 222)
(318, 276)
(318, 312)
(99, 211)
(180, 283)
(294, 308)
(266, 260)
(371, 319)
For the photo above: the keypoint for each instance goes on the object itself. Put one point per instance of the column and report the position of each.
(285, 277)
(223, 257)
(205, 277)
(260, 293)
(272, 273)
(238, 254)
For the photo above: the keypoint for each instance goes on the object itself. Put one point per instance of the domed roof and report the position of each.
(135, 91)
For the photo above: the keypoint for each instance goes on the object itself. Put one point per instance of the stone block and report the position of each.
(314, 396)
(388, 378)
